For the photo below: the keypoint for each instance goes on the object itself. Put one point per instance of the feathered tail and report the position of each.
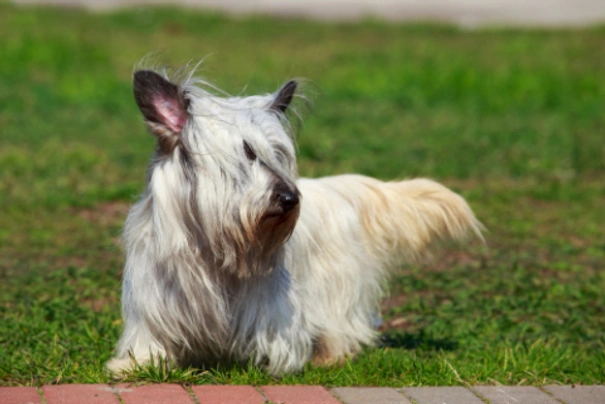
(403, 220)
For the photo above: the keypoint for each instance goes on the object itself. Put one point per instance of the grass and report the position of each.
(512, 119)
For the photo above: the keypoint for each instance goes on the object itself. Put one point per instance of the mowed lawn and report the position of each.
(514, 120)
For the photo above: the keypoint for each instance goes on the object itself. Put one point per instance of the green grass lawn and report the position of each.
(512, 119)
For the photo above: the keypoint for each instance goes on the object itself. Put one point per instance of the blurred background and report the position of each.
(463, 12)
(501, 100)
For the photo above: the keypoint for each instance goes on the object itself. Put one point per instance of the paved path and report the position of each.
(176, 394)
(468, 13)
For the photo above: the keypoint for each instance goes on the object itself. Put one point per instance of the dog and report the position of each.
(230, 257)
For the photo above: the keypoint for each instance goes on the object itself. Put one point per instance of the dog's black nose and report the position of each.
(288, 200)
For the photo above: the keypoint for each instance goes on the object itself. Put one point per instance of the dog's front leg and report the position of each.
(136, 348)
(270, 324)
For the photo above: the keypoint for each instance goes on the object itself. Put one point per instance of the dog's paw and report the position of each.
(119, 366)
(327, 361)
(323, 356)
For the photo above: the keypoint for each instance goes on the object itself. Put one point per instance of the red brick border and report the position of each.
(177, 394)
(299, 395)
(155, 394)
(79, 393)
(227, 395)
(19, 395)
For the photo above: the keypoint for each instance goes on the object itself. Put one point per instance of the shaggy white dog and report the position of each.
(230, 256)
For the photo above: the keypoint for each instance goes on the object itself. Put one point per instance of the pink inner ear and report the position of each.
(170, 113)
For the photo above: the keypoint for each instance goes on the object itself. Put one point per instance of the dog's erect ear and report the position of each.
(284, 96)
(162, 103)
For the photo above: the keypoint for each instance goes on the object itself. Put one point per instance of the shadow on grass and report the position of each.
(391, 339)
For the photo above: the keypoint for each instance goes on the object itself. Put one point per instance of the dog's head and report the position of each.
(224, 171)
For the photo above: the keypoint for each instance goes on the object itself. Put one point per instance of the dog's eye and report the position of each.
(249, 152)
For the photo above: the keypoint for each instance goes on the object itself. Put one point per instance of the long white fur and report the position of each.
(188, 297)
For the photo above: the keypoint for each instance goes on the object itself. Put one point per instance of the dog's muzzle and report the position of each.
(284, 201)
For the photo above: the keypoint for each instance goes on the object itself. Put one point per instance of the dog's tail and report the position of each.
(403, 220)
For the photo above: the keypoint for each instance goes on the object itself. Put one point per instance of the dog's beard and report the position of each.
(245, 246)
(274, 231)
(263, 236)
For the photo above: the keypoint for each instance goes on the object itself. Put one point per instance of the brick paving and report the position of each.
(227, 395)
(154, 394)
(440, 395)
(299, 395)
(514, 394)
(370, 395)
(19, 395)
(578, 394)
(79, 393)
(177, 394)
